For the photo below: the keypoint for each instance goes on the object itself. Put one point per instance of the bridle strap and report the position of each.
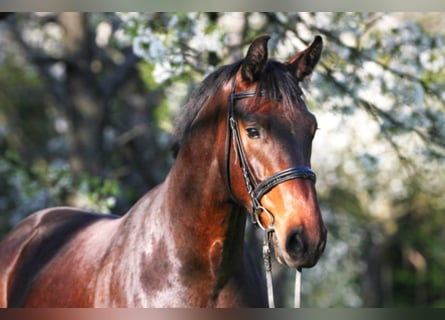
(282, 176)
(232, 132)
(268, 268)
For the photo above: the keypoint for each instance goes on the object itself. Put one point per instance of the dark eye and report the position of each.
(253, 133)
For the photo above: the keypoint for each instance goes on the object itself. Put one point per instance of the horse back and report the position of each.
(31, 246)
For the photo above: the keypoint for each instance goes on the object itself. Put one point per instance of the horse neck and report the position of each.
(208, 226)
(190, 219)
(208, 223)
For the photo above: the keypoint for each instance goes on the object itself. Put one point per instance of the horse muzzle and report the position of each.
(298, 251)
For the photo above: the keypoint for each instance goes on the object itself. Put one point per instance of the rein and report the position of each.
(257, 190)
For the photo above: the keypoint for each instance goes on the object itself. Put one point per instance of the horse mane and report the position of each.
(275, 83)
(208, 87)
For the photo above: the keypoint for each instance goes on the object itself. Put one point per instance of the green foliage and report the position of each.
(29, 188)
(415, 250)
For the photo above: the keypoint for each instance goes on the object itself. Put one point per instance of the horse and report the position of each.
(242, 148)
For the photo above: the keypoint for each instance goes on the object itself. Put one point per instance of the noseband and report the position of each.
(256, 190)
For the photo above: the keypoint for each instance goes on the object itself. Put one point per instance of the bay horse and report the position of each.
(242, 143)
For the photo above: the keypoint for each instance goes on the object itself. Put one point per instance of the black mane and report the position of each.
(275, 83)
(211, 84)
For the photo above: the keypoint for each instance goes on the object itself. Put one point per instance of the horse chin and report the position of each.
(285, 260)
(281, 256)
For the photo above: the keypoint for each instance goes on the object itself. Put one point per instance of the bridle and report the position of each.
(257, 190)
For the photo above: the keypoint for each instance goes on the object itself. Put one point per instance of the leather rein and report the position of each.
(257, 190)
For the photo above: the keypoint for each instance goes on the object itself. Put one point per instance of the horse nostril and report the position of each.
(296, 244)
(321, 246)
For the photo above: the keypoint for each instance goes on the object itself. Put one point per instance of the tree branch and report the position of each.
(40, 60)
(120, 74)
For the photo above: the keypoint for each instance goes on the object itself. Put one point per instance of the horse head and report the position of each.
(267, 152)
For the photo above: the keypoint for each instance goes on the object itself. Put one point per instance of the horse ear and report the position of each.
(255, 60)
(302, 64)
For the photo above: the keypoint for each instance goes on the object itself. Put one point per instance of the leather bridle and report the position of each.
(257, 190)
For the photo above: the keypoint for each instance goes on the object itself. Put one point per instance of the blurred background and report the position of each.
(87, 103)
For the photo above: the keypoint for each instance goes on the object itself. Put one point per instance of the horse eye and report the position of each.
(253, 133)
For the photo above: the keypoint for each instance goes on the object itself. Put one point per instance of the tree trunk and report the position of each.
(85, 106)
